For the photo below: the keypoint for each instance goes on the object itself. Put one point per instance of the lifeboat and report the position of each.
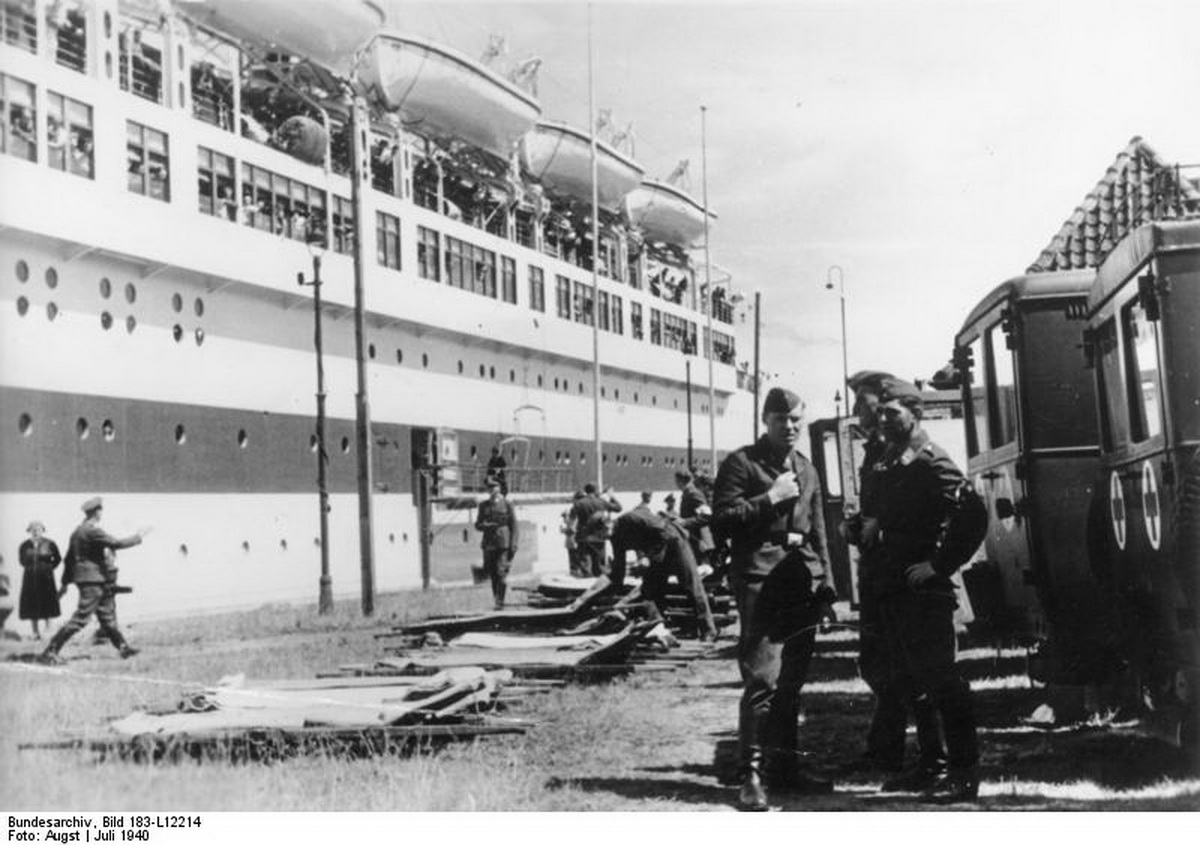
(560, 156)
(666, 213)
(447, 94)
(328, 32)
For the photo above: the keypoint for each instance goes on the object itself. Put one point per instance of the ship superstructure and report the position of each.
(162, 185)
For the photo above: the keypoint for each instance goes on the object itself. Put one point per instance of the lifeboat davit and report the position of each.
(447, 94)
(560, 156)
(328, 32)
(666, 213)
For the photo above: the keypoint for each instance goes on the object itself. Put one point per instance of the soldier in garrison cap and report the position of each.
(767, 501)
(886, 735)
(86, 556)
(913, 496)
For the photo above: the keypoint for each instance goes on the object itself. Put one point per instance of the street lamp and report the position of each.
(842, 297)
(316, 247)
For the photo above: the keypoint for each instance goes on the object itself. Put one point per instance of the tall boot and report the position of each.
(118, 639)
(50, 654)
(752, 797)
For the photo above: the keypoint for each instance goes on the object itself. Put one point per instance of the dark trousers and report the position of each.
(920, 640)
(778, 629)
(93, 599)
(578, 567)
(678, 559)
(889, 723)
(591, 557)
(497, 566)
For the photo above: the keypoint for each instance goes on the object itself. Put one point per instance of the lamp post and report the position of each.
(842, 298)
(316, 247)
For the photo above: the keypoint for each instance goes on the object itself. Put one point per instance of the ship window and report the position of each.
(18, 102)
(603, 391)
(635, 396)
(581, 387)
(343, 225)
(130, 293)
(524, 224)
(177, 332)
(109, 431)
(1002, 409)
(617, 315)
(243, 439)
(508, 278)
(105, 288)
(22, 269)
(51, 278)
(22, 305)
(562, 296)
(180, 434)
(512, 375)
(371, 351)
(25, 425)
(108, 25)
(140, 53)
(399, 356)
(460, 367)
(482, 370)
(635, 320)
(199, 334)
(583, 304)
(424, 360)
(312, 443)
(19, 24)
(82, 429)
(69, 138)
(603, 311)
(68, 27)
(537, 289)
(217, 188)
(130, 323)
(345, 445)
(383, 164)
(387, 239)
(106, 320)
(198, 307)
(176, 303)
(51, 311)
(656, 333)
(148, 161)
(425, 183)
(428, 249)
(1141, 372)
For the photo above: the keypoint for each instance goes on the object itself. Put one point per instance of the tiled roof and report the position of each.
(1138, 188)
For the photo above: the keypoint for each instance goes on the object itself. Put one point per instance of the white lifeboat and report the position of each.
(666, 213)
(447, 94)
(561, 157)
(328, 32)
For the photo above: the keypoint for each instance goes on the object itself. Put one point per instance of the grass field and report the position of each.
(641, 743)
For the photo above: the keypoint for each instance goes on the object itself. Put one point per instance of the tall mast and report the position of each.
(599, 447)
(712, 410)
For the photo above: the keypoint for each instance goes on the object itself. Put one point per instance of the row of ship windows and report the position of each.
(106, 288)
(108, 432)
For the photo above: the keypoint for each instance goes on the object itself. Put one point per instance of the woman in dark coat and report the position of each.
(39, 596)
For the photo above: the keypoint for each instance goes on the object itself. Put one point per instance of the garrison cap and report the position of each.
(37, 523)
(900, 390)
(867, 379)
(781, 401)
(94, 503)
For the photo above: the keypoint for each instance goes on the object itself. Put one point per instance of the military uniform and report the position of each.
(86, 560)
(498, 522)
(778, 551)
(664, 543)
(913, 494)
(591, 530)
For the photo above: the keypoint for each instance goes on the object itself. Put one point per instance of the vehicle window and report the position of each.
(974, 393)
(1141, 372)
(1114, 419)
(1002, 411)
(833, 466)
(1059, 393)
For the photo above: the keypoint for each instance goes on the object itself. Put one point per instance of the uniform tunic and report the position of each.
(39, 594)
(87, 560)
(591, 530)
(498, 522)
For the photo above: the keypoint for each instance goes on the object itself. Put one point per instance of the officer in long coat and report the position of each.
(497, 521)
(86, 556)
(914, 495)
(886, 736)
(767, 501)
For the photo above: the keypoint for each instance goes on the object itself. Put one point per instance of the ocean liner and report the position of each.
(167, 169)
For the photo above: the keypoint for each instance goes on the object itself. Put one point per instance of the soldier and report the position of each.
(767, 501)
(915, 498)
(590, 515)
(664, 543)
(695, 511)
(885, 738)
(86, 555)
(498, 522)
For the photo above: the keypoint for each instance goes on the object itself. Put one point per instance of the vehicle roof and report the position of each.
(1056, 285)
(1135, 249)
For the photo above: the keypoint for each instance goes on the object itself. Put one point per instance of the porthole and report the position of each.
(603, 392)
(653, 400)
(108, 66)
(512, 375)
(539, 381)
(199, 337)
(474, 452)
(466, 536)
(391, 537)
(345, 445)
(460, 367)
(491, 372)
(635, 396)
(581, 387)
(541, 455)
(181, 97)
(424, 360)
(130, 293)
(555, 383)
(180, 434)
(371, 351)
(183, 549)
(22, 306)
(243, 439)
(399, 357)
(130, 323)
(22, 271)
(245, 545)
(105, 288)
(25, 425)
(176, 303)
(482, 370)
(676, 401)
(109, 431)
(51, 278)
(317, 542)
(177, 332)
(404, 537)
(283, 545)
(179, 56)
(583, 457)
(106, 320)
(107, 25)
(617, 394)
(604, 458)
(82, 429)
(312, 443)
(51, 311)
(198, 307)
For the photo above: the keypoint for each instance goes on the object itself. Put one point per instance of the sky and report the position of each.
(929, 149)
